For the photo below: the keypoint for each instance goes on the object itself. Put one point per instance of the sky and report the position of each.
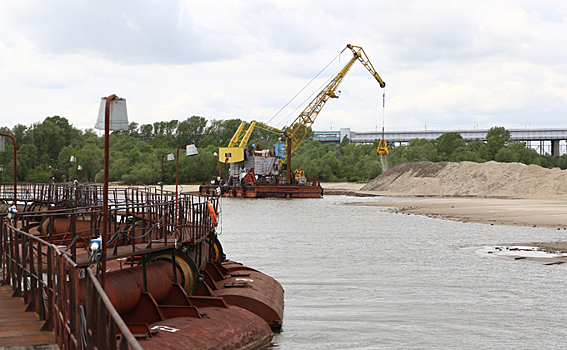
(447, 64)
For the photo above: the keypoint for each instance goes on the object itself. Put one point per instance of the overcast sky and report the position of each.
(446, 64)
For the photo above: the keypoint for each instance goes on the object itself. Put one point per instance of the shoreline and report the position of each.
(551, 213)
(533, 212)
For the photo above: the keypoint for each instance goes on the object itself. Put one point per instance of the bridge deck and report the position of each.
(18, 327)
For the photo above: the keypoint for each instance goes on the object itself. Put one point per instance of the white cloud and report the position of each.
(447, 64)
(131, 32)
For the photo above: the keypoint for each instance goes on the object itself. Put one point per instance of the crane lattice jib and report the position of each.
(268, 128)
(244, 132)
(237, 135)
(361, 55)
(299, 127)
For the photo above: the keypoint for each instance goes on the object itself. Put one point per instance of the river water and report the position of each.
(356, 277)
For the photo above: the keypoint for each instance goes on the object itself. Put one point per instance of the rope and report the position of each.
(383, 110)
(74, 241)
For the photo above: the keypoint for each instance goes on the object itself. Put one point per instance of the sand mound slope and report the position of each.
(489, 179)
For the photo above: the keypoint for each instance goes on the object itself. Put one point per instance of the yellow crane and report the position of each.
(301, 125)
(294, 134)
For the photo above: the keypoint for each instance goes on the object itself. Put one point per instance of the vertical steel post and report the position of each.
(176, 194)
(288, 159)
(109, 99)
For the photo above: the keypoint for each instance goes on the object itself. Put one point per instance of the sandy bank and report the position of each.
(524, 212)
(491, 192)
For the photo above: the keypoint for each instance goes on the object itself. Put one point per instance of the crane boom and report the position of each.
(293, 135)
(299, 127)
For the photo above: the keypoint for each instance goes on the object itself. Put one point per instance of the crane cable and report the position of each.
(316, 92)
(383, 110)
(268, 122)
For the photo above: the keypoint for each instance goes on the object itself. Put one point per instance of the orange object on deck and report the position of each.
(212, 213)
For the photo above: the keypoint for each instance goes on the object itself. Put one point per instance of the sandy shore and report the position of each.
(550, 212)
(524, 212)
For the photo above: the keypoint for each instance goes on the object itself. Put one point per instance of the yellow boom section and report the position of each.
(234, 152)
(299, 127)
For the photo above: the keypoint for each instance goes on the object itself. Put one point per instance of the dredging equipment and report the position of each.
(256, 172)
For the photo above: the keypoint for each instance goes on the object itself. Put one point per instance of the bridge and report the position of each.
(548, 140)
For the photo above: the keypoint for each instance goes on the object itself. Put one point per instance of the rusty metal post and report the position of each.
(2, 250)
(33, 278)
(109, 100)
(144, 272)
(23, 274)
(288, 159)
(74, 299)
(12, 260)
(176, 190)
(174, 265)
(50, 286)
(17, 267)
(76, 167)
(89, 310)
(40, 282)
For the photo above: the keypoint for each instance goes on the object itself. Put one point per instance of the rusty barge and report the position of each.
(166, 283)
(256, 174)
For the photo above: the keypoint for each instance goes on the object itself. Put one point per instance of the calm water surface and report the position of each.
(359, 278)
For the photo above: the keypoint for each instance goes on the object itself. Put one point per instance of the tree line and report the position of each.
(451, 147)
(44, 151)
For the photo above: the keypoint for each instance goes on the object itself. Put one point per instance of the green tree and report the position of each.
(447, 144)
(191, 130)
(496, 139)
(49, 138)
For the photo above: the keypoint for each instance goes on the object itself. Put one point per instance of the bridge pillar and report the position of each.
(554, 148)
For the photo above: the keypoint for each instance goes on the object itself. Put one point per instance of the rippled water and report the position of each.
(356, 277)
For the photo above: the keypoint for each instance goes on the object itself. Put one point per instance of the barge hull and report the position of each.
(259, 191)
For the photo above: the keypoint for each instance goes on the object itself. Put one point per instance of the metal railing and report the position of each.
(49, 281)
(137, 216)
(39, 253)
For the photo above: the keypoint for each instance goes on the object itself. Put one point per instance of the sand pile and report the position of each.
(491, 179)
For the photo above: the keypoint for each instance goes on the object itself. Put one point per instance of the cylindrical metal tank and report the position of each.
(124, 287)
